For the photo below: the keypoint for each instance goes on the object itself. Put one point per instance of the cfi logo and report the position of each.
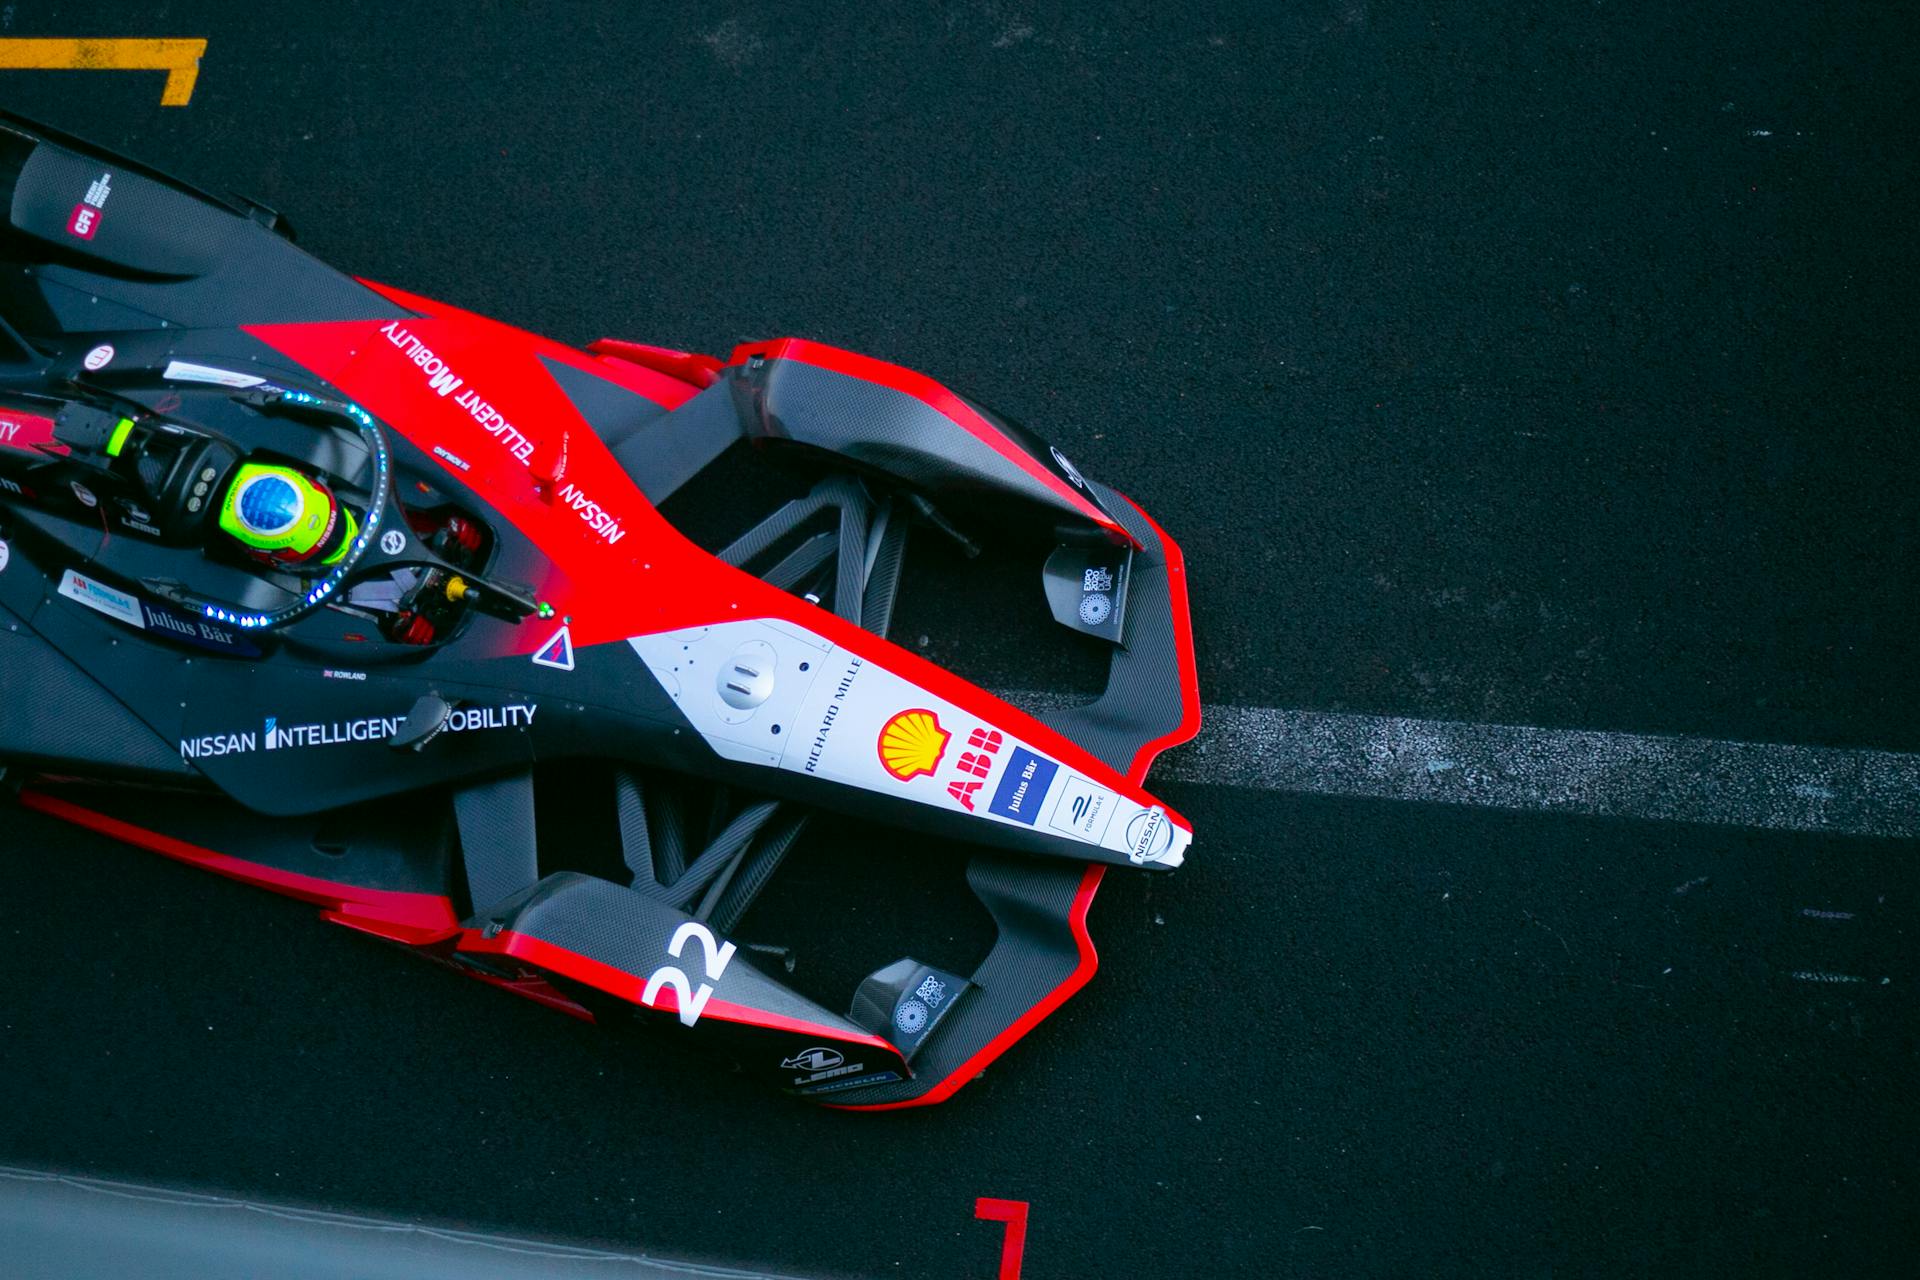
(912, 743)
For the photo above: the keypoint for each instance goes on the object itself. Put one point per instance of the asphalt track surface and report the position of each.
(1537, 365)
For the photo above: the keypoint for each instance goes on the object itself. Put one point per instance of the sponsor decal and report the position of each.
(1097, 579)
(182, 371)
(136, 517)
(1095, 607)
(1084, 810)
(933, 991)
(275, 736)
(1148, 835)
(495, 423)
(176, 624)
(832, 713)
(837, 713)
(1023, 786)
(557, 652)
(911, 744)
(818, 1058)
(974, 765)
(451, 459)
(334, 673)
(6, 554)
(102, 598)
(85, 220)
(910, 1017)
(14, 486)
(83, 495)
(442, 380)
(393, 542)
(514, 715)
(878, 1077)
(98, 358)
(831, 1072)
(598, 518)
(208, 745)
(29, 433)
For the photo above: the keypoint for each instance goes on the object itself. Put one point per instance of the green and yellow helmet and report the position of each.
(281, 515)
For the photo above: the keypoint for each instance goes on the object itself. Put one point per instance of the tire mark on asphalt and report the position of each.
(1770, 786)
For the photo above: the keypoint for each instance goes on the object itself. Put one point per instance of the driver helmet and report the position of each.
(280, 515)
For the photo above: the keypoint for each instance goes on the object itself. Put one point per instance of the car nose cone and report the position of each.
(746, 680)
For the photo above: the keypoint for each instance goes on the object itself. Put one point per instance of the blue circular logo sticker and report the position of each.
(910, 1017)
(269, 505)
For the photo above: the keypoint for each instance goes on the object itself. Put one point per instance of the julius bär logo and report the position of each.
(911, 744)
(86, 215)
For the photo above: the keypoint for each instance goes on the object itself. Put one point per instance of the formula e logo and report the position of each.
(818, 1058)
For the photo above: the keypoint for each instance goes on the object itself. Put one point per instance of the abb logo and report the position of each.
(977, 762)
(85, 221)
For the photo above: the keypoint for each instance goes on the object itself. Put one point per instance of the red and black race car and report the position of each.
(311, 582)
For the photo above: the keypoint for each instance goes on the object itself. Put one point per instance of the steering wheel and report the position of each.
(374, 436)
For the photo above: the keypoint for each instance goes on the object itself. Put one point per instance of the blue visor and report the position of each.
(269, 505)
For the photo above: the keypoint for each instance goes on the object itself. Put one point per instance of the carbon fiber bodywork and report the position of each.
(515, 604)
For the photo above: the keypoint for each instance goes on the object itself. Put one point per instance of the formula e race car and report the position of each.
(322, 586)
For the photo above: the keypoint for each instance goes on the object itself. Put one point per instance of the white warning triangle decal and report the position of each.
(556, 652)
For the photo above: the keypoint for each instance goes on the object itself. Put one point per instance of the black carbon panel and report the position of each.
(670, 449)
(390, 845)
(1142, 701)
(1032, 903)
(613, 412)
(887, 430)
(52, 714)
(159, 254)
(497, 840)
(619, 927)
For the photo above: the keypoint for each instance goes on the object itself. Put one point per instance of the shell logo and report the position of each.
(911, 743)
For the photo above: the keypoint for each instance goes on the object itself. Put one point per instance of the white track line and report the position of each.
(1626, 775)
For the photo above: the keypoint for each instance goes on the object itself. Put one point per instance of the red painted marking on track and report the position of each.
(1013, 1246)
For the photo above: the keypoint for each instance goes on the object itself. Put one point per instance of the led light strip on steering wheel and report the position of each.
(316, 595)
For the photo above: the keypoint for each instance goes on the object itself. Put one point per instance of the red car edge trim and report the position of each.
(934, 396)
(629, 987)
(1082, 973)
(404, 917)
(688, 366)
(665, 389)
(1189, 724)
(537, 990)
(1136, 772)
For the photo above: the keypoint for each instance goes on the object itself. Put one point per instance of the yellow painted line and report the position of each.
(180, 59)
